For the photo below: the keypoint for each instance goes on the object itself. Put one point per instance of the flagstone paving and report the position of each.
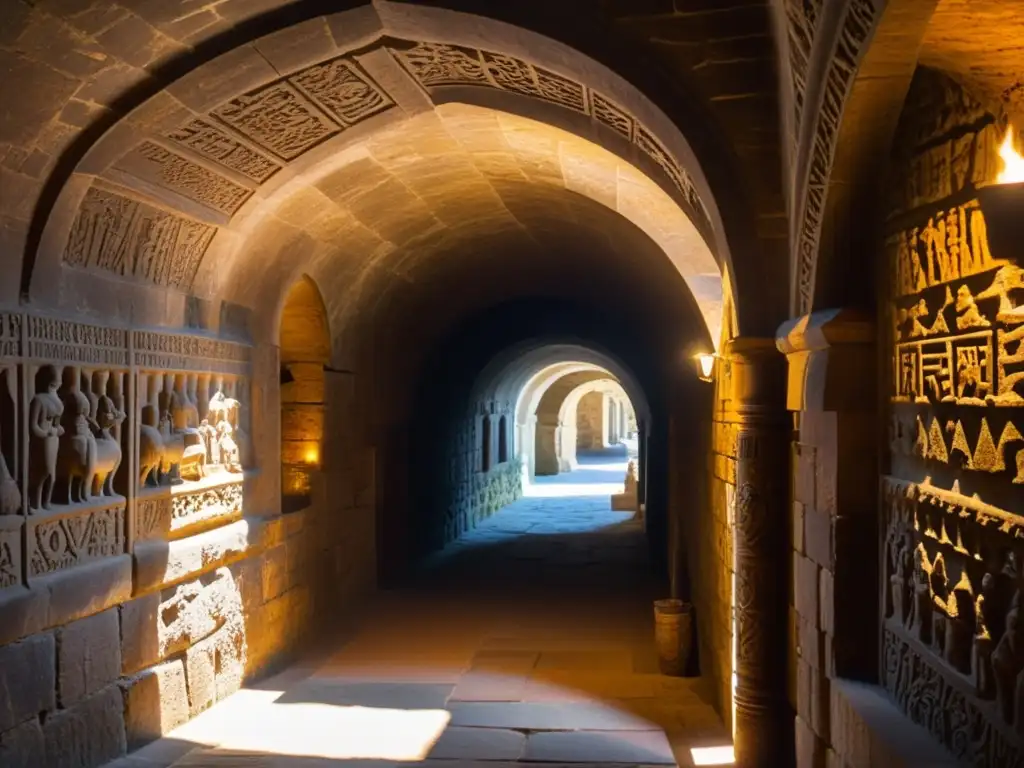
(529, 640)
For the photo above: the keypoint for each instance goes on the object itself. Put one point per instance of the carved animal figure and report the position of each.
(221, 407)
(76, 457)
(151, 447)
(193, 459)
(108, 450)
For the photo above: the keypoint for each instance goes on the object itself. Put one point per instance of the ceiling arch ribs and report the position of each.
(167, 185)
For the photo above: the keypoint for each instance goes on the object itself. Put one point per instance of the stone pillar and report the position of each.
(763, 720)
(832, 393)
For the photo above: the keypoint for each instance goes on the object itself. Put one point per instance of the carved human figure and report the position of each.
(940, 595)
(901, 581)
(1008, 661)
(76, 457)
(921, 612)
(44, 415)
(226, 447)
(631, 481)
(10, 496)
(184, 413)
(968, 315)
(221, 407)
(981, 661)
(208, 435)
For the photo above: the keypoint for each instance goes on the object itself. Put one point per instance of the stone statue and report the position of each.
(208, 436)
(184, 413)
(227, 449)
(221, 408)
(10, 496)
(1008, 661)
(44, 415)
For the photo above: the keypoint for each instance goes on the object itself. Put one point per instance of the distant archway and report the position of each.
(305, 348)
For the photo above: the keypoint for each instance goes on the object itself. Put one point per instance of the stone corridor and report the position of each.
(527, 640)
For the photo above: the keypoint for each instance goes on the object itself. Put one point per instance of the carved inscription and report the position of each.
(152, 518)
(10, 556)
(279, 119)
(129, 238)
(185, 177)
(76, 539)
(434, 64)
(213, 143)
(615, 118)
(168, 351)
(343, 90)
(53, 339)
(860, 19)
(10, 334)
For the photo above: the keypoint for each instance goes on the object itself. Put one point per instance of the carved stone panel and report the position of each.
(214, 143)
(152, 162)
(279, 119)
(343, 90)
(129, 238)
(68, 539)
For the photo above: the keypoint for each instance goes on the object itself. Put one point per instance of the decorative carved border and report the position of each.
(435, 65)
(858, 22)
(67, 341)
(154, 350)
(72, 538)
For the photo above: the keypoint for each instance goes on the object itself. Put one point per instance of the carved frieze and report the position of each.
(341, 88)
(857, 24)
(67, 341)
(801, 22)
(214, 143)
(10, 334)
(216, 502)
(65, 541)
(179, 174)
(129, 238)
(180, 352)
(10, 551)
(438, 64)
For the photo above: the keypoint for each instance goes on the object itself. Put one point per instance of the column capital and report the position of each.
(753, 376)
(831, 360)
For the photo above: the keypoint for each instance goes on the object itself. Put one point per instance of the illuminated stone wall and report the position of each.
(145, 571)
(952, 500)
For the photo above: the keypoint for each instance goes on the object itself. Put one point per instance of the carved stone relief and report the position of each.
(214, 143)
(116, 234)
(801, 21)
(438, 64)
(857, 24)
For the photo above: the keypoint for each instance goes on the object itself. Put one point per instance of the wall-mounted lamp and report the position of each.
(705, 366)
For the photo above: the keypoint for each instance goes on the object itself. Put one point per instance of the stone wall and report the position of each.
(158, 575)
(590, 421)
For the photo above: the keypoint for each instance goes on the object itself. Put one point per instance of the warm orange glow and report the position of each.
(1013, 163)
(705, 365)
(713, 755)
(312, 456)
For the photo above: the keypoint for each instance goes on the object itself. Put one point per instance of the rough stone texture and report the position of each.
(88, 656)
(155, 702)
(23, 746)
(90, 733)
(27, 679)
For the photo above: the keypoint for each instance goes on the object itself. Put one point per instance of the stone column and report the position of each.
(763, 719)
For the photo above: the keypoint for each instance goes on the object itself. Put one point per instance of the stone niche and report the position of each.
(953, 499)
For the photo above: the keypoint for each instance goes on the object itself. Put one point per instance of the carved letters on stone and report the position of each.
(279, 119)
(64, 542)
(54, 339)
(180, 352)
(129, 238)
(211, 142)
(343, 90)
(187, 178)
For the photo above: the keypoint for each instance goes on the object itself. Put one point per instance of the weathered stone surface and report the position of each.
(201, 669)
(22, 746)
(90, 733)
(140, 642)
(88, 589)
(159, 562)
(24, 611)
(88, 656)
(155, 702)
(27, 679)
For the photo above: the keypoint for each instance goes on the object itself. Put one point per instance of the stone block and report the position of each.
(88, 656)
(22, 746)
(275, 572)
(158, 563)
(24, 612)
(810, 750)
(826, 598)
(140, 642)
(88, 734)
(27, 679)
(87, 589)
(201, 672)
(805, 584)
(155, 702)
(818, 537)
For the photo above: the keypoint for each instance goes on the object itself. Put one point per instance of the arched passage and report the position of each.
(305, 348)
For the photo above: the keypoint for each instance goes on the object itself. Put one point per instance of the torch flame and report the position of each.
(1013, 163)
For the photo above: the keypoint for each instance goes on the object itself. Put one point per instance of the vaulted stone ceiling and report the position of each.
(980, 43)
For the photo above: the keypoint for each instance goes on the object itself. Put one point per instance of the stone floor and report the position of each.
(527, 641)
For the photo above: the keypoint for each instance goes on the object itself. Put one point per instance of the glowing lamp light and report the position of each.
(1013, 162)
(705, 365)
(713, 755)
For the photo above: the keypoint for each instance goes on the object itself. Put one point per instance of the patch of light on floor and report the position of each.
(571, 489)
(344, 733)
(713, 755)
